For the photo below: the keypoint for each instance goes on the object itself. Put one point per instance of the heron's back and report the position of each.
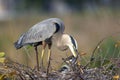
(40, 31)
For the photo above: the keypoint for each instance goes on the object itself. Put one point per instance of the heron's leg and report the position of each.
(43, 50)
(49, 57)
(37, 58)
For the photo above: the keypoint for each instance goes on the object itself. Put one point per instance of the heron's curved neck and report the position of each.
(62, 41)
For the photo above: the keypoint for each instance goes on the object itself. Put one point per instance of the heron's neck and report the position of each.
(57, 39)
(62, 41)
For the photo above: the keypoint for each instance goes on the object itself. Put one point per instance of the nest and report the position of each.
(14, 71)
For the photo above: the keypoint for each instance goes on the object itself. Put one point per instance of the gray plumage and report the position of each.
(40, 32)
(45, 33)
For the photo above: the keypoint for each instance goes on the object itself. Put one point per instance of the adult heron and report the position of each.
(48, 32)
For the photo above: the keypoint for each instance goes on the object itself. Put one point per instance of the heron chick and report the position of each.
(48, 32)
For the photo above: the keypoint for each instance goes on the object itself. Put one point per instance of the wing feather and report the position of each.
(39, 32)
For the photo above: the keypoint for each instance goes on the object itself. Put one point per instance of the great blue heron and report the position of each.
(48, 32)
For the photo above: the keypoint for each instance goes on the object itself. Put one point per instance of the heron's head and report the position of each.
(72, 44)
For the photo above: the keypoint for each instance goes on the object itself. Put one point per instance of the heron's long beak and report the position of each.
(74, 51)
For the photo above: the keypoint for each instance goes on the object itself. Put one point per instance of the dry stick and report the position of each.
(26, 72)
(21, 77)
(81, 78)
(20, 73)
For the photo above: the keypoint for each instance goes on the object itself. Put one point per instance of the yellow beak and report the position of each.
(74, 51)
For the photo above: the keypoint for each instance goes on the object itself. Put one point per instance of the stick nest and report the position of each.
(10, 70)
